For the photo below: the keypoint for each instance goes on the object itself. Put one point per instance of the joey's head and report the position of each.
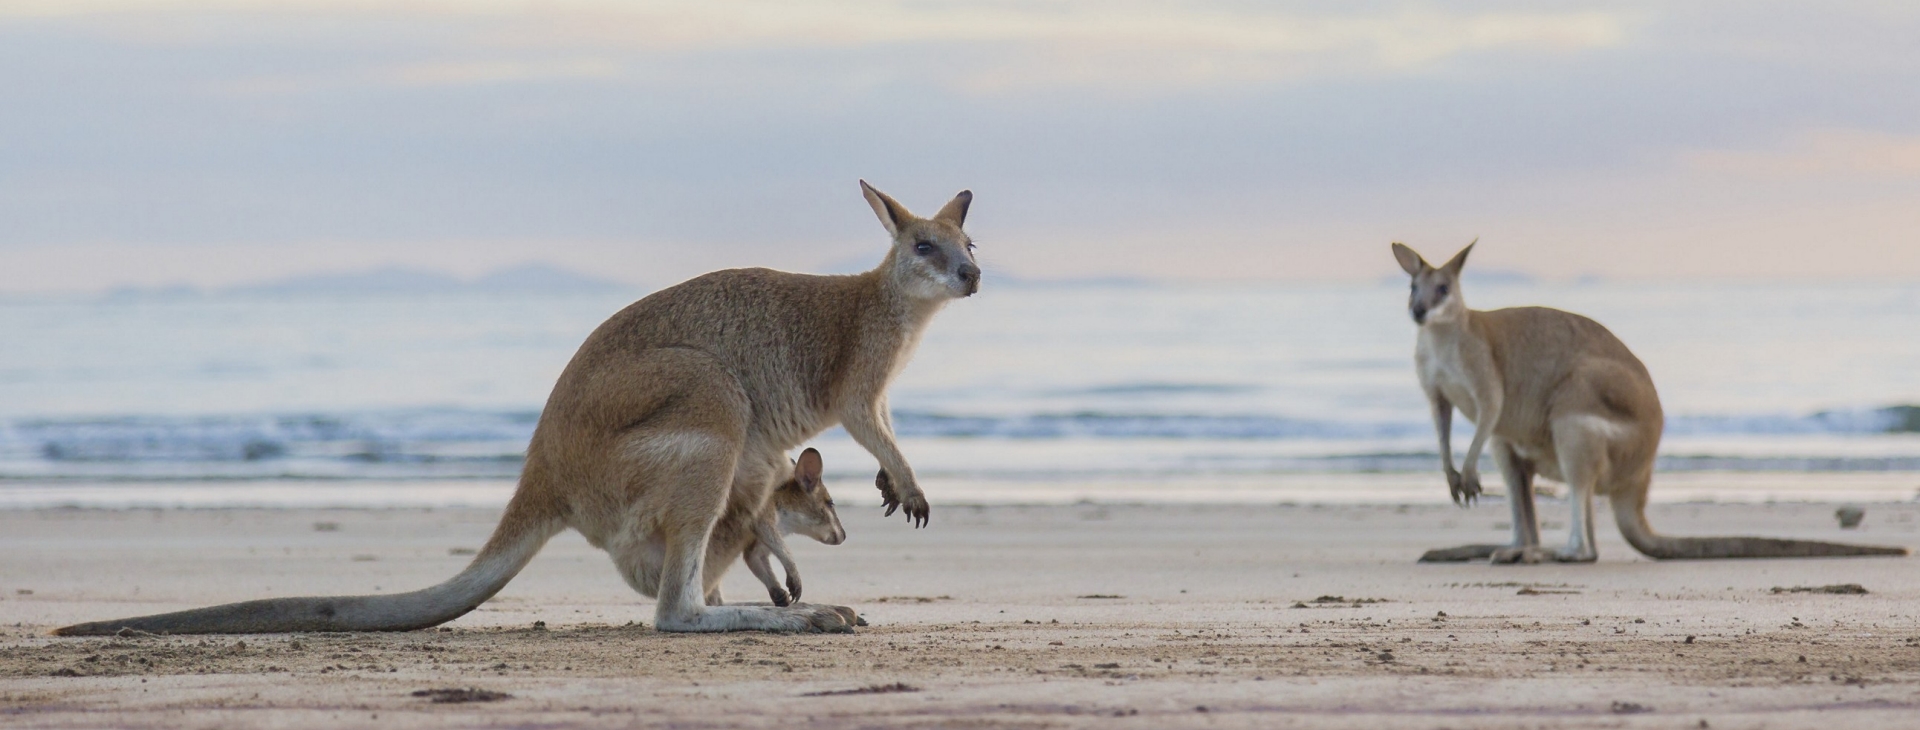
(1436, 291)
(932, 258)
(803, 505)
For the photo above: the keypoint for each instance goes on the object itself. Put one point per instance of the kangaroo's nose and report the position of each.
(970, 275)
(1419, 314)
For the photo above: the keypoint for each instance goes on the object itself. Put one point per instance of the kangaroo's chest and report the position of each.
(1443, 369)
(795, 401)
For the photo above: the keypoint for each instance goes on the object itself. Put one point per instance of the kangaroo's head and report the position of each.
(931, 259)
(1436, 292)
(803, 505)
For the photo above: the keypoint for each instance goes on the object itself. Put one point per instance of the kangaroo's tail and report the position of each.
(523, 530)
(1629, 510)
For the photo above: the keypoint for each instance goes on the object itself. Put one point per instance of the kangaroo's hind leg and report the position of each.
(683, 606)
(1518, 472)
(673, 471)
(1582, 445)
(1586, 448)
(685, 500)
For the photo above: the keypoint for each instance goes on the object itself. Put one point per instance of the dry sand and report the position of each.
(1076, 616)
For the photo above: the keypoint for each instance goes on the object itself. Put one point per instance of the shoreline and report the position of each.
(1329, 489)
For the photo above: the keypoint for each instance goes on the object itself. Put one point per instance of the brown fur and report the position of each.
(672, 421)
(1554, 394)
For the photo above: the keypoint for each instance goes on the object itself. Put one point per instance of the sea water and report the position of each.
(1024, 393)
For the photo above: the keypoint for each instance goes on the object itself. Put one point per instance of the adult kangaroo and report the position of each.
(1557, 395)
(676, 414)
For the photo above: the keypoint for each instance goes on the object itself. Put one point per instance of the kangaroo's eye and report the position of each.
(1441, 290)
(923, 248)
(970, 248)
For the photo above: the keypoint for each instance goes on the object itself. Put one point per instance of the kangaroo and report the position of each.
(800, 505)
(1556, 395)
(674, 415)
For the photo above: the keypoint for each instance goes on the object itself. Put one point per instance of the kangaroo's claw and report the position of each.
(888, 498)
(916, 504)
(1464, 488)
(917, 511)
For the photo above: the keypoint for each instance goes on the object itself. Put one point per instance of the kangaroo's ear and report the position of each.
(1459, 260)
(955, 211)
(1409, 260)
(892, 213)
(806, 471)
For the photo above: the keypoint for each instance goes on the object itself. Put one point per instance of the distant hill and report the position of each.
(533, 277)
(388, 280)
(544, 277)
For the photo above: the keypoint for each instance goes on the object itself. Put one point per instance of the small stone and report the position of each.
(1850, 516)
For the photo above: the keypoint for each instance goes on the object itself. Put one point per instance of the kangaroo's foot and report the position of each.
(804, 618)
(1461, 554)
(1536, 554)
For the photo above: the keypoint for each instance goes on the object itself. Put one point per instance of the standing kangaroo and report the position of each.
(1554, 394)
(800, 505)
(674, 415)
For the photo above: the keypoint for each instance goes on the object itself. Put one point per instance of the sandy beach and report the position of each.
(1089, 615)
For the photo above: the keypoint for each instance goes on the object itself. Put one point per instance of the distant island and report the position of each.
(525, 278)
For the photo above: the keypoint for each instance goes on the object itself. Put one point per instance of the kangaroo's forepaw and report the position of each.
(780, 597)
(917, 510)
(892, 499)
(889, 498)
(1463, 487)
(793, 585)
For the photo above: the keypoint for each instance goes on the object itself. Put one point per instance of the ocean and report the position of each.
(1024, 393)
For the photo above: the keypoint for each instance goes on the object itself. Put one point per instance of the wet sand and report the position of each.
(1061, 616)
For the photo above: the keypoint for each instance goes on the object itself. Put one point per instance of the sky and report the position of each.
(157, 142)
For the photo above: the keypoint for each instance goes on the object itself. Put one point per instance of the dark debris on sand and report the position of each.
(459, 695)
(1838, 589)
(872, 689)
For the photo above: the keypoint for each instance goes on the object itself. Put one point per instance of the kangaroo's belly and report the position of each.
(1541, 457)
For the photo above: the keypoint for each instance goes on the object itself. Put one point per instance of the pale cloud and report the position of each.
(1822, 153)
(1111, 44)
(419, 75)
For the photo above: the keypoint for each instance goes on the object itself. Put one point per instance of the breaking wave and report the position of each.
(450, 443)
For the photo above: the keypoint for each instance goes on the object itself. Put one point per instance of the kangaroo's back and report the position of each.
(790, 339)
(1555, 363)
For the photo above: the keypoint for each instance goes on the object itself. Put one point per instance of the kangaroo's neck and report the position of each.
(1451, 331)
(891, 325)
